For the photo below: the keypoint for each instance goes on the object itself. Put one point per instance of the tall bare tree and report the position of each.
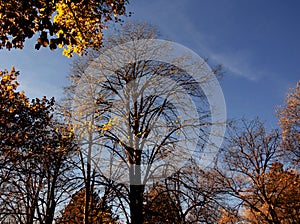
(133, 115)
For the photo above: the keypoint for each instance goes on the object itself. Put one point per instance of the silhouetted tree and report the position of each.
(250, 170)
(34, 157)
(130, 113)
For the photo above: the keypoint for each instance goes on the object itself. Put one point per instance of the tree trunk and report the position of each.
(87, 194)
(136, 204)
(51, 205)
(88, 177)
(136, 191)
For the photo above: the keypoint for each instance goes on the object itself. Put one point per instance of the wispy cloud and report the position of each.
(238, 62)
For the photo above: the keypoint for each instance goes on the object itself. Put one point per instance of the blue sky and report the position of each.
(257, 42)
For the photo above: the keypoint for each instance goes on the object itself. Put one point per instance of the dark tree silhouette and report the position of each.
(114, 112)
(34, 158)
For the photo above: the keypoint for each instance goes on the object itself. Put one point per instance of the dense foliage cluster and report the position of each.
(74, 25)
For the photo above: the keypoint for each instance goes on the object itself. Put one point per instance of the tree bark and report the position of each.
(136, 204)
(87, 194)
(136, 191)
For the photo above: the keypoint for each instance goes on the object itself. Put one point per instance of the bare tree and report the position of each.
(251, 172)
(139, 118)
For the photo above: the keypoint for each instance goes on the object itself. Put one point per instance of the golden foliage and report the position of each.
(74, 25)
(289, 121)
(74, 211)
(281, 196)
(35, 152)
(227, 217)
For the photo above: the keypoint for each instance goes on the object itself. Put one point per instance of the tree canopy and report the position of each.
(34, 156)
(74, 25)
(129, 117)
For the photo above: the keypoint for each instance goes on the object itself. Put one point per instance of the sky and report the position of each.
(257, 43)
